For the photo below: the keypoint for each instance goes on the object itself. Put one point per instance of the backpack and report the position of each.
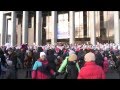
(45, 69)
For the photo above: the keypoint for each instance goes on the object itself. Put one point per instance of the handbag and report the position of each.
(62, 75)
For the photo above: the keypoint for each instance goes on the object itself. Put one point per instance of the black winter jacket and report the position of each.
(72, 70)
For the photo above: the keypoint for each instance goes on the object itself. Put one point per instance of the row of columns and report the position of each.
(72, 27)
(93, 28)
(24, 28)
(54, 28)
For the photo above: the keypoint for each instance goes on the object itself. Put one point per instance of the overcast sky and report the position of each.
(9, 23)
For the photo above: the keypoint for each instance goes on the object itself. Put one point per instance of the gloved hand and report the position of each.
(56, 73)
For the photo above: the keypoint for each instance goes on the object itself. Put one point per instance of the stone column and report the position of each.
(25, 27)
(6, 32)
(13, 26)
(38, 28)
(116, 28)
(72, 27)
(54, 28)
(92, 27)
(3, 28)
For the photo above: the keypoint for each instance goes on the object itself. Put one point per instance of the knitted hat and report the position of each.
(89, 57)
(71, 52)
(72, 57)
(42, 54)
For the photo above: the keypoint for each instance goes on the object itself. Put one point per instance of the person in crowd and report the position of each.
(71, 69)
(28, 63)
(91, 70)
(65, 62)
(118, 65)
(99, 59)
(81, 55)
(41, 68)
(0, 67)
(35, 56)
(114, 57)
(3, 59)
(22, 56)
(10, 74)
(3, 63)
(105, 65)
(51, 59)
(13, 58)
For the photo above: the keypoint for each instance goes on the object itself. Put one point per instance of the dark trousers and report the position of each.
(119, 74)
(0, 69)
(28, 72)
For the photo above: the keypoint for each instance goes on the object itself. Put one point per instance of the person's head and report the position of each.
(10, 51)
(105, 58)
(72, 57)
(42, 56)
(22, 49)
(89, 57)
(71, 52)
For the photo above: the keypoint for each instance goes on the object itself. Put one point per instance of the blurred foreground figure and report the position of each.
(69, 67)
(90, 70)
(41, 68)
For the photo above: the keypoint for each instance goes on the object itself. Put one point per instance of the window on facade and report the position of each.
(20, 19)
(119, 14)
(78, 24)
(29, 22)
(102, 28)
(85, 23)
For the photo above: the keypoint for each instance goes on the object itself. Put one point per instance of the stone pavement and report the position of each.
(110, 75)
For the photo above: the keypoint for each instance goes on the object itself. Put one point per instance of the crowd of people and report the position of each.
(60, 61)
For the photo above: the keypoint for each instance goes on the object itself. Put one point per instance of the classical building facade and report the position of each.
(41, 27)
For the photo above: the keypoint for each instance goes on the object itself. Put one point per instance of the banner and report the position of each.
(62, 32)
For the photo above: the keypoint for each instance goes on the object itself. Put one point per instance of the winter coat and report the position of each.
(28, 61)
(72, 70)
(99, 59)
(36, 56)
(41, 70)
(91, 71)
(10, 73)
(105, 65)
(64, 63)
(51, 60)
(3, 60)
(114, 58)
(118, 65)
(13, 58)
(0, 69)
(22, 56)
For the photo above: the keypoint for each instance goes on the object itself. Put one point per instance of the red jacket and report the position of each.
(91, 71)
(38, 74)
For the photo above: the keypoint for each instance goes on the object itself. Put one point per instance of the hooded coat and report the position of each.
(41, 70)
